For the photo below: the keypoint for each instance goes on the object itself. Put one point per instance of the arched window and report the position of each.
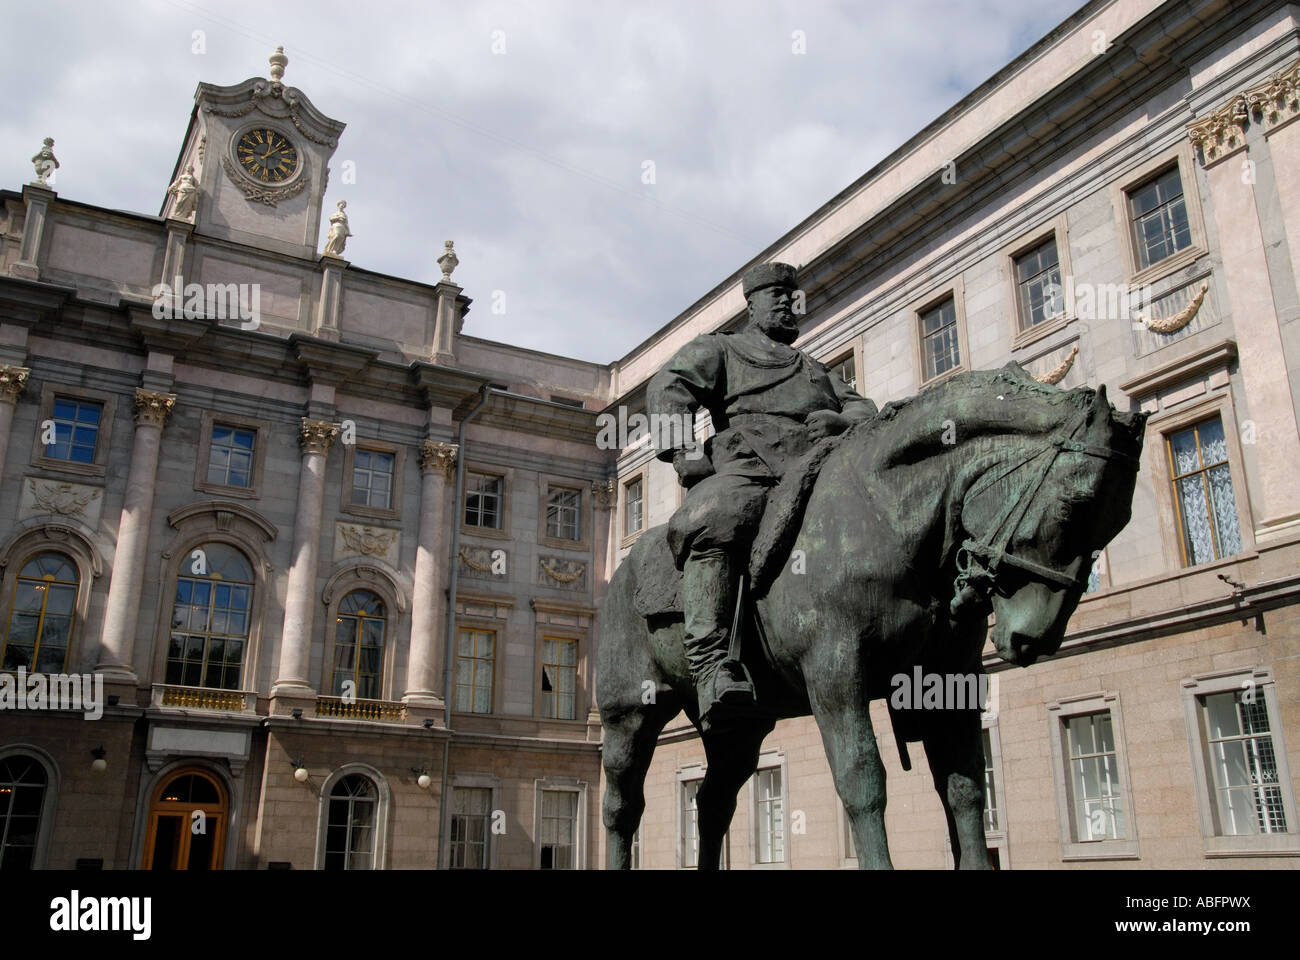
(350, 829)
(41, 614)
(210, 619)
(22, 799)
(359, 645)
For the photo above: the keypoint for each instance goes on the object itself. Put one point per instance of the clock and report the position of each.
(266, 155)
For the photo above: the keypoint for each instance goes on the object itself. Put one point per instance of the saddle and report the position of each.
(658, 581)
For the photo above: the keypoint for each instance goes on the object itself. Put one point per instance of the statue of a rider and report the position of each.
(769, 403)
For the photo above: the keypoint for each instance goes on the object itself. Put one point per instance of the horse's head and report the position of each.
(1036, 520)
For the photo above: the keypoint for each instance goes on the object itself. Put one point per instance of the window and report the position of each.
(940, 348)
(350, 828)
(23, 783)
(632, 501)
(558, 830)
(689, 845)
(230, 456)
(559, 678)
(636, 848)
(210, 618)
(41, 614)
(1097, 805)
(1038, 284)
(990, 786)
(563, 514)
(75, 429)
(483, 500)
(475, 659)
(1158, 213)
(359, 645)
(845, 372)
(1093, 789)
(769, 816)
(1239, 745)
(372, 479)
(471, 809)
(1198, 460)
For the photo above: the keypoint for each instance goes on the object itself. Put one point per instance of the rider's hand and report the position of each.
(826, 423)
(692, 466)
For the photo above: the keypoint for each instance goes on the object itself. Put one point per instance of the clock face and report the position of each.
(266, 155)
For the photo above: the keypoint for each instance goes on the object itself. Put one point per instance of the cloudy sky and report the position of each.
(533, 157)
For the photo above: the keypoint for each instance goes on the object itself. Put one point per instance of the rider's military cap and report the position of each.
(768, 275)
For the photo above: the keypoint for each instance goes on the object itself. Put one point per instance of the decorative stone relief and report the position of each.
(360, 540)
(13, 381)
(317, 436)
(561, 574)
(1222, 132)
(1058, 372)
(53, 498)
(1277, 99)
(603, 493)
(1182, 318)
(438, 456)
(484, 563)
(1174, 315)
(152, 407)
(267, 195)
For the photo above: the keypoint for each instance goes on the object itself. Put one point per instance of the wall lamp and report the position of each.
(99, 764)
(297, 713)
(422, 777)
(299, 770)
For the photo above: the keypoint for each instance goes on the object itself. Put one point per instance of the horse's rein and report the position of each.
(988, 557)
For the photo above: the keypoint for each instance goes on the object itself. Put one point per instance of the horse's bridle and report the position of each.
(979, 560)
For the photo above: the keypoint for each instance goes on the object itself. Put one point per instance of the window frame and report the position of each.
(168, 603)
(847, 351)
(331, 638)
(480, 626)
(574, 785)
(1058, 229)
(476, 781)
(103, 440)
(207, 422)
(398, 452)
(49, 802)
(546, 484)
(1181, 155)
(692, 773)
(1215, 845)
(70, 543)
(1058, 712)
(642, 474)
(576, 637)
(955, 290)
(996, 839)
(506, 475)
(383, 805)
(768, 762)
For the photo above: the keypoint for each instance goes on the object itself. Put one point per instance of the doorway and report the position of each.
(188, 813)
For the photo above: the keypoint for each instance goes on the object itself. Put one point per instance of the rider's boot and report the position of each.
(709, 601)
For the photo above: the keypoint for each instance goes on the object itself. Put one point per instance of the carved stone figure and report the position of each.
(45, 162)
(769, 403)
(881, 552)
(338, 233)
(186, 191)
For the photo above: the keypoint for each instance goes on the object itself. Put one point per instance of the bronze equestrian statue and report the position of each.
(883, 549)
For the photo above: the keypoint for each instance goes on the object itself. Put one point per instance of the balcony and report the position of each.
(380, 711)
(203, 698)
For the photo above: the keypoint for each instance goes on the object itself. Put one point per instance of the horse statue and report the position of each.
(990, 493)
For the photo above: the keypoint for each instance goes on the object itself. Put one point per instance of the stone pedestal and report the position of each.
(122, 609)
(38, 201)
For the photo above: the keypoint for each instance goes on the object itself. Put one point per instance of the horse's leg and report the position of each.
(732, 758)
(859, 773)
(628, 747)
(955, 748)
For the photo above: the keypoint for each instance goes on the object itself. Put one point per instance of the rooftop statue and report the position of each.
(824, 549)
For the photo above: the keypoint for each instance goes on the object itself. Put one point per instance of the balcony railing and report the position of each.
(200, 698)
(383, 711)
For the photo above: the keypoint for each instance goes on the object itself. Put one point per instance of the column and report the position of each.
(603, 497)
(315, 440)
(13, 380)
(122, 610)
(437, 466)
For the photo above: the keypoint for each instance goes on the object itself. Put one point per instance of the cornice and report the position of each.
(327, 361)
(1216, 355)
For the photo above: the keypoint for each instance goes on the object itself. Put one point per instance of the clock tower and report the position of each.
(259, 153)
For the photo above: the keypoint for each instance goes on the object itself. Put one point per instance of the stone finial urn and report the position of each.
(448, 261)
(278, 62)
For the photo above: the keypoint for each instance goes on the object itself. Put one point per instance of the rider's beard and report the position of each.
(780, 326)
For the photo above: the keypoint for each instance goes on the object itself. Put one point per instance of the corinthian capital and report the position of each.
(438, 456)
(13, 380)
(317, 436)
(152, 407)
(602, 492)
